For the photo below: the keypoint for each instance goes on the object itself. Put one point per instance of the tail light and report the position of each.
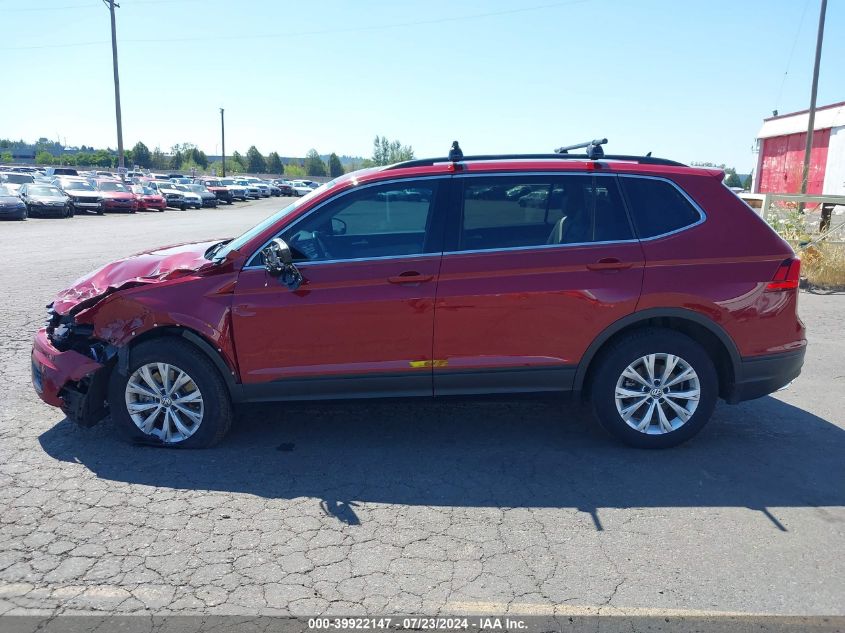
(787, 275)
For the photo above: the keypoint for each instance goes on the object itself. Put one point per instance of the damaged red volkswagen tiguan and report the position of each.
(645, 286)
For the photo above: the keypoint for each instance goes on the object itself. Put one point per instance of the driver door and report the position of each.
(361, 324)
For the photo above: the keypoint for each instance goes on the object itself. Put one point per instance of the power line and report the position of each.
(89, 6)
(377, 27)
(791, 53)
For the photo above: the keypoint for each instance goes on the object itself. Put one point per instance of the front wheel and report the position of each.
(654, 389)
(171, 395)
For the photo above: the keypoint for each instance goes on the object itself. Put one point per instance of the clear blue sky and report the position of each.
(690, 80)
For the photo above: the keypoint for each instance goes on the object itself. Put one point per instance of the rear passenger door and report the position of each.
(535, 267)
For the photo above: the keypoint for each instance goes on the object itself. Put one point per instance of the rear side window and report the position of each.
(657, 207)
(512, 212)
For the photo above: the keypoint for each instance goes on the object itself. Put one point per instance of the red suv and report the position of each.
(644, 285)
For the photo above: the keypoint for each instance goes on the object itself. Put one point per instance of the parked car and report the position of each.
(252, 191)
(263, 187)
(83, 195)
(208, 199)
(274, 189)
(173, 196)
(14, 180)
(192, 199)
(60, 171)
(284, 187)
(117, 196)
(649, 289)
(41, 199)
(215, 186)
(238, 191)
(11, 206)
(148, 198)
(300, 189)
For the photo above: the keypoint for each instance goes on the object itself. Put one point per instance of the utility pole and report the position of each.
(811, 120)
(120, 158)
(223, 140)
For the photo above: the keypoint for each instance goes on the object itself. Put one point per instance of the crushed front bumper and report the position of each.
(69, 380)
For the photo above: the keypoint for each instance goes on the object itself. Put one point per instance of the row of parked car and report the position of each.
(62, 191)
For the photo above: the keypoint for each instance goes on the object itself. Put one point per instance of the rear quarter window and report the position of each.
(657, 206)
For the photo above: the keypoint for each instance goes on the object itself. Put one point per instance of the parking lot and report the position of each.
(482, 506)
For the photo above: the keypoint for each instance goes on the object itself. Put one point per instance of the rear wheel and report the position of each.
(654, 389)
(171, 395)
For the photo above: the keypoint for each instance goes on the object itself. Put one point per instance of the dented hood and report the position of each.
(150, 267)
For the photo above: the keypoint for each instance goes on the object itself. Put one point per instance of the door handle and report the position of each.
(609, 263)
(410, 277)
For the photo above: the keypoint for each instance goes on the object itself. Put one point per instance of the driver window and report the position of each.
(379, 221)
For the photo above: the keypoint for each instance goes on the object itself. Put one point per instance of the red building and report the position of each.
(780, 157)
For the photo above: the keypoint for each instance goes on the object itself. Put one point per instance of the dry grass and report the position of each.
(824, 265)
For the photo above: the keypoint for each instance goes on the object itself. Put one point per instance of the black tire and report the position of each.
(613, 361)
(184, 207)
(24, 215)
(217, 413)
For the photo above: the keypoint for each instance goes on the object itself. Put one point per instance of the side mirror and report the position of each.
(278, 261)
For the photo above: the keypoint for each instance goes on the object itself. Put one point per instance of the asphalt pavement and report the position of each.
(470, 506)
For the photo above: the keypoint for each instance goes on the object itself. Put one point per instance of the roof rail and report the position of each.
(643, 160)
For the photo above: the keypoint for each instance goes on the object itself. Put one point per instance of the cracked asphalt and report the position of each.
(419, 507)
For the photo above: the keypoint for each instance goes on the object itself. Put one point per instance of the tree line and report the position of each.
(187, 156)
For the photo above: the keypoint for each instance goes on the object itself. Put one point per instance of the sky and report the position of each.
(685, 79)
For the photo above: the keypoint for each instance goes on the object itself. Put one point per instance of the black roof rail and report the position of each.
(643, 160)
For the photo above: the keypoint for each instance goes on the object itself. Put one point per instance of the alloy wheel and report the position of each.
(164, 401)
(657, 393)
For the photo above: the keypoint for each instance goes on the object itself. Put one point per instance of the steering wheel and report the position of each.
(319, 243)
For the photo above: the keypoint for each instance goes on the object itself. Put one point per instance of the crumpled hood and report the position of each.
(166, 263)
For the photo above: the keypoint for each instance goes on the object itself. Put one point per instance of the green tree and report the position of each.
(274, 164)
(292, 170)
(255, 161)
(198, 158)
(44, 158)
(335, 167)
(176, 160)
(314, 165)
(731, 179)
(158, 160)
(6, 157)
(748, 182)
(236, 163)
(141, 155)
(386, 152)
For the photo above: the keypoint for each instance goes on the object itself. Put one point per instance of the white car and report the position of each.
(238, 191)
(263, 187)
(13, 180)
(301, 187)
(192, 198)
(252, 191)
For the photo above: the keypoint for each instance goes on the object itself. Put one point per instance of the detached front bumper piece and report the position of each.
(69, 380)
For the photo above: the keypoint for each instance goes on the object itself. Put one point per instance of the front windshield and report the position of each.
(146, 191)
(18, 179)
(84, 186)
(113, 186)
(259, 228)
(197, 188)
(44, 191)
(227, 181)
(213, 183)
